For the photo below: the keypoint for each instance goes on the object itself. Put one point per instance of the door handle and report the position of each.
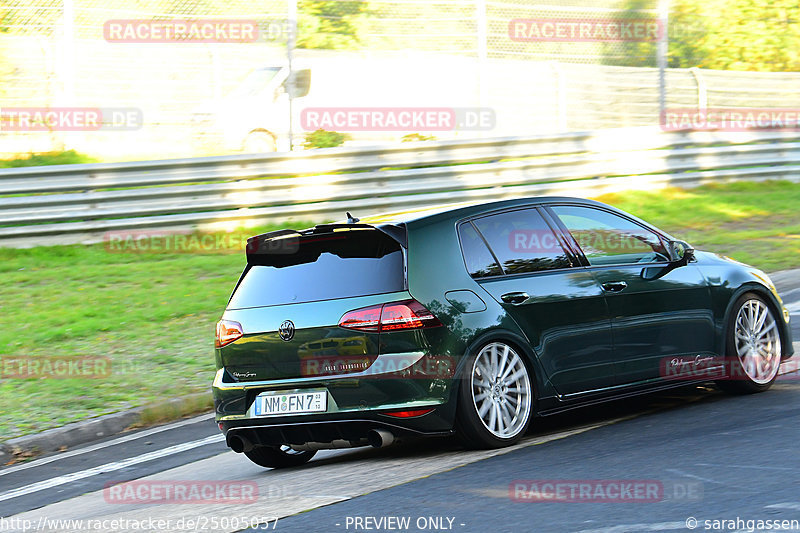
(514, 297)
(614, 286)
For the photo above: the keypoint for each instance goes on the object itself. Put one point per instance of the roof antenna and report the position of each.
(351, 219)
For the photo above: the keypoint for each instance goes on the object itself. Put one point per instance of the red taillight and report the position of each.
(409, 314)
(227, 332)
(364, 319)
(409, 414)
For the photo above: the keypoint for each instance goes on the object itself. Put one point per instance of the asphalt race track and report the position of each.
(709, 456)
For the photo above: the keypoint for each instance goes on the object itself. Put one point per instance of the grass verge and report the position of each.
(152, 314)
(66, 157)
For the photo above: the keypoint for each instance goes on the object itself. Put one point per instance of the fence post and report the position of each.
(67, 70)
(290, 44)
(662, 51)
(483, 52)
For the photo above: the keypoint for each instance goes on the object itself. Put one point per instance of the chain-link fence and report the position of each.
(511, 67)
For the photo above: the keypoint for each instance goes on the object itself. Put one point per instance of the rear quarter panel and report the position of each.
(436, 266)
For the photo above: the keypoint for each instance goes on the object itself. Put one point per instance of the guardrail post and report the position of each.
(702, 89)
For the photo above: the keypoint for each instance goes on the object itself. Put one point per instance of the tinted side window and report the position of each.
(522, 241)
(477, 256)
(606, 238)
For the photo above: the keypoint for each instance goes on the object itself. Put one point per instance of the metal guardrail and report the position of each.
(78, 203)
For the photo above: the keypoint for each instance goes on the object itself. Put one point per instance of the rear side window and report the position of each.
(609, 239)
(323, 266)
(522, 242)
(477, 256)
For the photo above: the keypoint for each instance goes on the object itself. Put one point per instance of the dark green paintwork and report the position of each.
(583, 344)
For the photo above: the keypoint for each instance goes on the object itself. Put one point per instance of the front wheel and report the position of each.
(495, 398)
(282, 457)
(753, 347)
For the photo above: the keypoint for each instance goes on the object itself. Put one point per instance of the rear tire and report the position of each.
(496, 397)
(753, 347)
(283, 457)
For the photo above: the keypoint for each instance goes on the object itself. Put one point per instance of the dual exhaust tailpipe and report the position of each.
(378, 438)
(238, 443)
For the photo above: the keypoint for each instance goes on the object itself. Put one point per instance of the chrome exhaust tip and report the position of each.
(380, 438)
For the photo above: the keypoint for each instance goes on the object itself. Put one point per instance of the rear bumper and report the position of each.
(354, 407)
(408, 375)
(343, 430)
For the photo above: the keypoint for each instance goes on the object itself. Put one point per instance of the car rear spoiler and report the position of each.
(286, 241)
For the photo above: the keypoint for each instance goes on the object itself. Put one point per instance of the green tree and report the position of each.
(720, 34)
(330, 24)
(736, 35)
(632, 53)
(6, 68)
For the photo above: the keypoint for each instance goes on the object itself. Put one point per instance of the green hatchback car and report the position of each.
(473, 320)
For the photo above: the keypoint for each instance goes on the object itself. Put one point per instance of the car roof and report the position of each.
(395, 224)
(469, 209)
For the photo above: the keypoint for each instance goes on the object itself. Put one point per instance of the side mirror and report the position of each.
(681, 251)
(298, 84)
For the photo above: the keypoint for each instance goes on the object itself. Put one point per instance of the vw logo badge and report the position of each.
(286, 331)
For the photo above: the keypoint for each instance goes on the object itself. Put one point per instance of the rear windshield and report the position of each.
(323, 266)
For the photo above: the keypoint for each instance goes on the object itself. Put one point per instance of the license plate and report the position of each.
(291, 403)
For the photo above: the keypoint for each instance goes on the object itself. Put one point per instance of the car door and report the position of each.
(516, 257)
(658, 312)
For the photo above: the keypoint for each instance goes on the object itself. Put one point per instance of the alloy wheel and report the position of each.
(758, 343)
(501, 390)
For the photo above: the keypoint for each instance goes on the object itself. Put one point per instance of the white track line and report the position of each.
(636, 528)
(794, 506)
(109, 467)
(113, 442)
